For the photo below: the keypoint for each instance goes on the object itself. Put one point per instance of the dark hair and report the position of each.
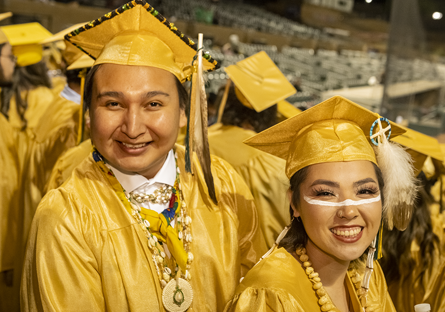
(236, 114)
(24, 79)
(88, 93)
(297, 236)
(72, 76)
(398, 262)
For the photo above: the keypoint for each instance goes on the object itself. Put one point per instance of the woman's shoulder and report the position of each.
(277, 277)
(279, 271)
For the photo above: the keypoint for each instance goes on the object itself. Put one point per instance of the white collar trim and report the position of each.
(131, 181)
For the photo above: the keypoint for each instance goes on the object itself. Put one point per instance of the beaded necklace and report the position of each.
(177, 293)
(324, 300)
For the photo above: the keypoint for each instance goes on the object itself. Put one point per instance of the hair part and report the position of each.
(297, 236)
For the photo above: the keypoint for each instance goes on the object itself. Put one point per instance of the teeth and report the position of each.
(347, 233)
(134, 145)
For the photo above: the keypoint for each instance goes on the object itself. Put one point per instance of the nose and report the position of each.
(133, 124)
(348, 212)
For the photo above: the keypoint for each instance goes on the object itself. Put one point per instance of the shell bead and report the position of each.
(321, 292)
(188, 220)
(313, 274)
(146, 223)
(317, 279)
(307, 264)
(189, 257)
(327, 307)
(304, 258)
(323, 300)
(167, 270)
(309, 270)
(160, 259)
(317, 286)
(162, 254)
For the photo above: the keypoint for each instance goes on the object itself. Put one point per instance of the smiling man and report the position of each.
(131, 230)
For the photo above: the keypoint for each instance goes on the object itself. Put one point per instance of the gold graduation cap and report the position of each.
(420, 146)
(3, 37)
(286, 109)
(82, 62)
(25, 39)
(334, 130)
(137, 34)
(70, 52)
(259, 83)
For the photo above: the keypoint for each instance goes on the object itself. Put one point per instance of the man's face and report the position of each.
(135, 116)
(7, 64)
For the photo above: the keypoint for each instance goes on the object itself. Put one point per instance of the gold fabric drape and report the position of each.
(9, 196)
(278, 283)
(262, 172)
(86, 253)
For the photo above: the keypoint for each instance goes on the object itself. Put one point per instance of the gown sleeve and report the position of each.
(59, 261)
(263, 300)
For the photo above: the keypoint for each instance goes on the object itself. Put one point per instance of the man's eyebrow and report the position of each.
(363, 181)
(154, 93)
(114, 94)
(326, 182)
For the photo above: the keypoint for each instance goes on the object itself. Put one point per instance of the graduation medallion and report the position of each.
(177, 295)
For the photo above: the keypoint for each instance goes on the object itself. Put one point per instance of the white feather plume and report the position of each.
(400, 183)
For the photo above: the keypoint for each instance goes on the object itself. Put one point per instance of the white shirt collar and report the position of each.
(70, 95)
(166, 175)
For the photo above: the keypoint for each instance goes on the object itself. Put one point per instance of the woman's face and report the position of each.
(7, 63)
(340, 230)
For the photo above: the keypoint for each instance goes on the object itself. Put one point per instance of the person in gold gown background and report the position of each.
(248, 106)
(338, 201)
(412, 258)
(95, 244)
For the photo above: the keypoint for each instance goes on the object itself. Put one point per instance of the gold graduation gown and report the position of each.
(278, 283)
(86, 253)
(9, 196)
(66, 163)
(38, 99)
(262, 172)
(435, 295)
(409, 292)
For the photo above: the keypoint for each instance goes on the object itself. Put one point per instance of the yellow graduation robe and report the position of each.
(278, 283)
(435, 295)
(86, 253)
(9, 196)
(66, 163)
(411, 291)
(262, 172)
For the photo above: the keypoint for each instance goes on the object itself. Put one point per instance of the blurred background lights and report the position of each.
(368, 1)
(436, 15)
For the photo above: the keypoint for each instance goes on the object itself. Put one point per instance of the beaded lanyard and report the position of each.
(177, 294)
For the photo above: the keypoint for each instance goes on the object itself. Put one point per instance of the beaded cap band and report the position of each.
(372, 136)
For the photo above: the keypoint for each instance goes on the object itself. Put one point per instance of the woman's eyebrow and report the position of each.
(363, 181)
(326, 182)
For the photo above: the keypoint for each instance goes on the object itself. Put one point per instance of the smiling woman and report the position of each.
(337, 197)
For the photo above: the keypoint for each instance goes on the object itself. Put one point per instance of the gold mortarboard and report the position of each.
(70, 52)
(137, 34)
(3, 37)
(259, 83)
(420, 146)
(286, 109)
(82, 62)
(25, 39)
(334, 130)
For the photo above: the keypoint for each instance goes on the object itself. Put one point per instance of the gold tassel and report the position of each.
(198, 142)
(222, 105)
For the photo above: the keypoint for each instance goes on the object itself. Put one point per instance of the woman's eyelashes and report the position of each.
(368, 190)
(323, 192)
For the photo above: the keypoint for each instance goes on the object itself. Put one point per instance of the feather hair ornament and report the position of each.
(196, 138)
(398, 174)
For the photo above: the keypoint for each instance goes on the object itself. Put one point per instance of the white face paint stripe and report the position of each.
(347, 202)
